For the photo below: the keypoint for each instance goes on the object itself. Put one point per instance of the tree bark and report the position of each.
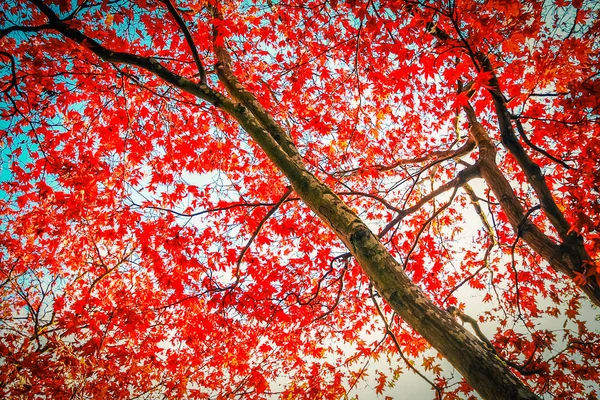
(482, 369)
(570, 255)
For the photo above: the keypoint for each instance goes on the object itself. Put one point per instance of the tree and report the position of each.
(202, 197)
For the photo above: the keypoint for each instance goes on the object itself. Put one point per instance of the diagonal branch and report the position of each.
(491, 378)
(559, 259)
(440, 156)
(188, 38)
(237, 90)
(463, 176)
(148, 64)
(272, 211)
(533, 146)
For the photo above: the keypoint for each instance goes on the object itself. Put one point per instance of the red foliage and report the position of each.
(148, 245)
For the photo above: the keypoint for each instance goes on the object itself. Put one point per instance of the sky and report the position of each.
(409, 385)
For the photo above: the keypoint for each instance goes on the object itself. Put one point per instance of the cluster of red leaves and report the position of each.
(147, 246)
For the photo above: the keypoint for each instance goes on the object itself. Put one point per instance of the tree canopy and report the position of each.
(221, 199)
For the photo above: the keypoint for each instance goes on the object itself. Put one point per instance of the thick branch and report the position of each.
(530, 168)
(555, 254)
(571, 255)
(240, 93)
(485, 373)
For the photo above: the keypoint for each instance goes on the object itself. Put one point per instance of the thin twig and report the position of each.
(272, 211)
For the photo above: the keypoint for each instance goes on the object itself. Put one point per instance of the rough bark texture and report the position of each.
(483, 370)
(486, 373)
(567, 257)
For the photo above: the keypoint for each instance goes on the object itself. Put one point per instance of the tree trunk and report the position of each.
(486, 373)
(482, 369)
